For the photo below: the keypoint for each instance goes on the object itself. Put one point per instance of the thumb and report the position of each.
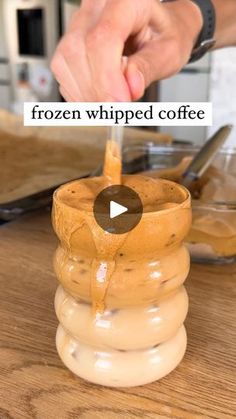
(135, 80)
(155, 61)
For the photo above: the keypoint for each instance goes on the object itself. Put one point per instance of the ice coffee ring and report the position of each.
(161, 277)
(125, 329)
(115, 368)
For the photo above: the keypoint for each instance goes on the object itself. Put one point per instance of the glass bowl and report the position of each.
(212, 238)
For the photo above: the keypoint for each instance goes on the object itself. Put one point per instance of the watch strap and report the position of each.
(206, 38)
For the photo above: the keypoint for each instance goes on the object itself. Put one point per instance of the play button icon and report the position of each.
(117, 209)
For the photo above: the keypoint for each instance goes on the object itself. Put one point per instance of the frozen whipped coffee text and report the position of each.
(125, 114)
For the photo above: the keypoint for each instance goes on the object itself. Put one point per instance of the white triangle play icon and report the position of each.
(116, 209)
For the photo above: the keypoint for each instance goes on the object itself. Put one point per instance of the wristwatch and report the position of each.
(206, 38)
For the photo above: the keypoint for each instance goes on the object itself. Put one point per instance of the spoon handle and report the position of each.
(116, 134)
(204, 157)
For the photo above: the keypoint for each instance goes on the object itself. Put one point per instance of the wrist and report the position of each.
(189, 14)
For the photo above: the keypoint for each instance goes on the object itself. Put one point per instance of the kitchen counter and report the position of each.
(35, 384)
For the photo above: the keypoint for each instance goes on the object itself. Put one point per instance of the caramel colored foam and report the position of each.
(155, 195)
(112, 165)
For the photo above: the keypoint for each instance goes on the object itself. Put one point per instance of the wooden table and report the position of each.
(35, 384)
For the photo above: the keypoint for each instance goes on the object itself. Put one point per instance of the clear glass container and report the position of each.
(139, 336)
(212, 238)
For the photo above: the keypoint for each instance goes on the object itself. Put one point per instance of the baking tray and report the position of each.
(136, 158)
(35, 160)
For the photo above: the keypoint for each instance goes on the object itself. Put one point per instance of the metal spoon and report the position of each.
(204, 157)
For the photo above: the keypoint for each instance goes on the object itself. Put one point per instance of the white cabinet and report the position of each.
(5, 90)
(186, 87)
(3, 51)
(4, 70)
(223, 91)
(5, 97)
(192, 84)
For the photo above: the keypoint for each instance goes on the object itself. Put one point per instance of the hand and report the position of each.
(115, 48)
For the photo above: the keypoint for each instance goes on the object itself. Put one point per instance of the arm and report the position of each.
(225, 34)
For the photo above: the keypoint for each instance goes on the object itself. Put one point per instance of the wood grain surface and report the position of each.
(35, 384)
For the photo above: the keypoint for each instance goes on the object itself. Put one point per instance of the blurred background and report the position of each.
(29, 32)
